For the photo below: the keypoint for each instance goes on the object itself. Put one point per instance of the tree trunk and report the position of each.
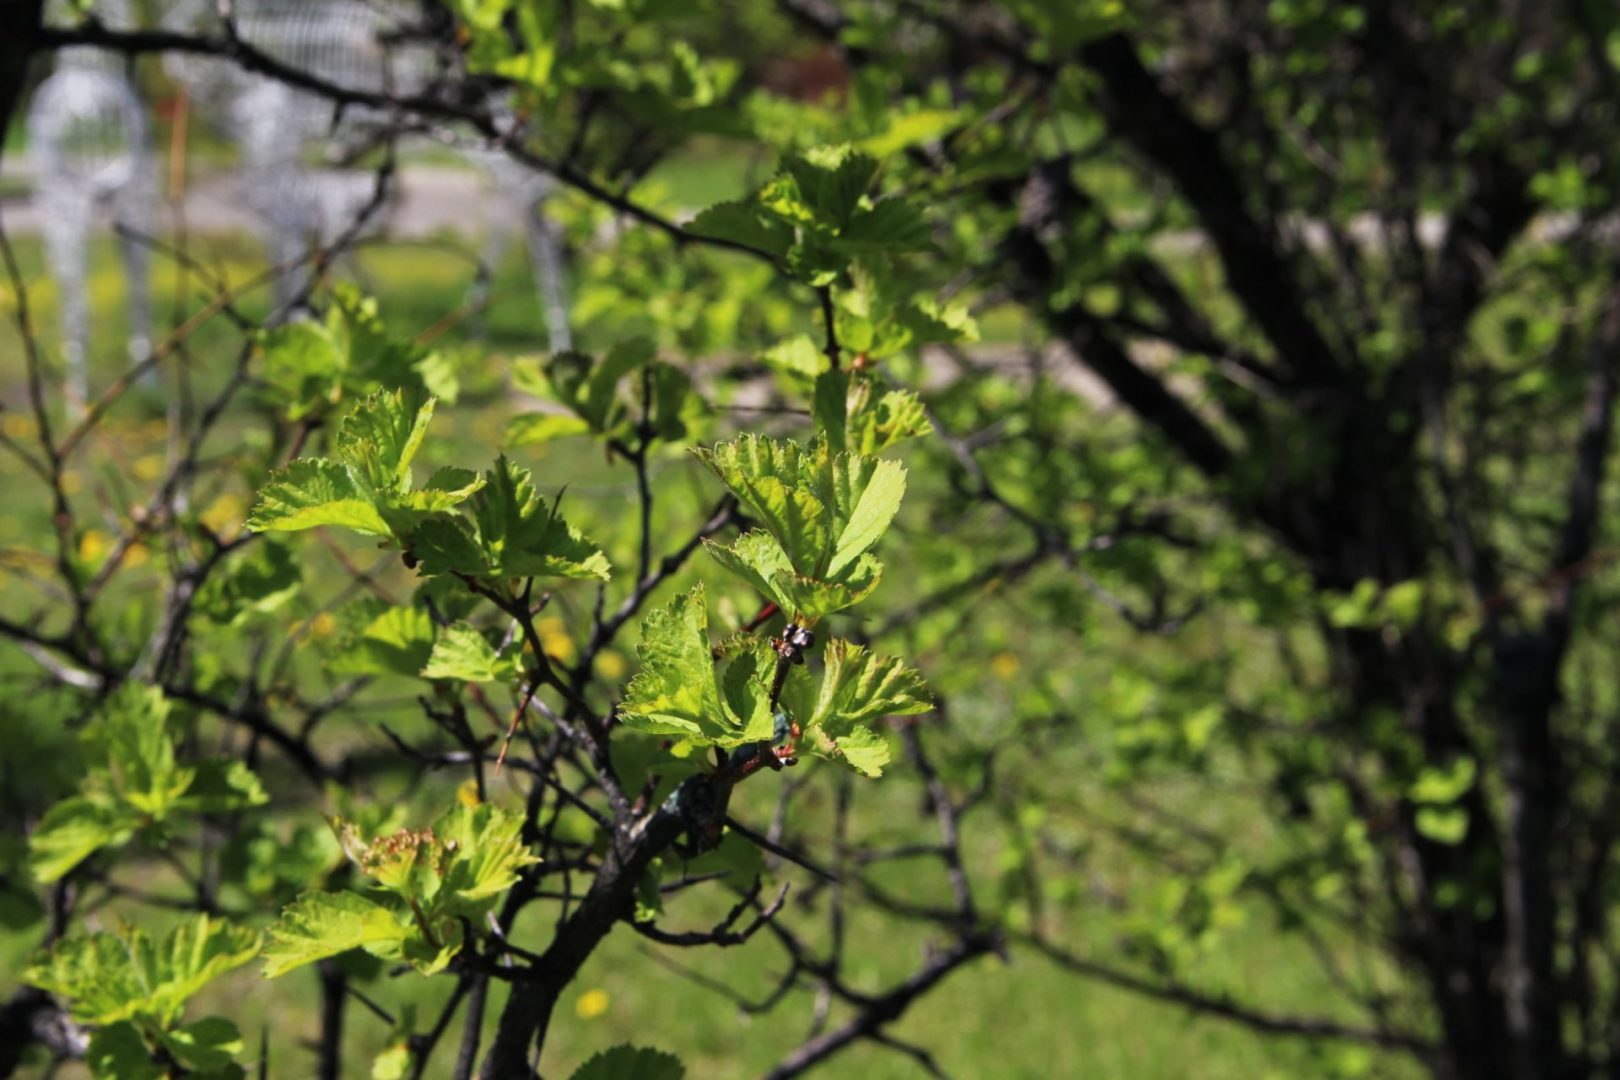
(20, 21)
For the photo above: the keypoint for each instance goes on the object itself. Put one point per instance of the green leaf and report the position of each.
(631, 1063)
(744, 222)
(117, 1052)
(827, 185)
(310, 366)
(381, 438)
(830, 409)
(367, 485)
(72, 831)
(383, 640)
(891, 225)
(848, 417)
(139, 784)
(671, 389)
(825, 511)
(513, 533)
(799, 355)
(1403, 603)
(866, 495)
(912, 129)
(319, 925)
(487, 856)
(375, 360)
(95, 972)
(859, 686)
(528, 429)
(209, 1044)
(862, 750)
(312, 492)
(447, 544)
(220, 785)
(759, 560)
(1442, 824)
(856, 689)
(133, 728)
(676, 691)
(393, 1062)
(258, 582)
(127, 975)
(303, 365)
(812, 599)
(587, 387)
(1440, 786)
(770, 478)
(192, 955)
(462, 653)
(432, 883)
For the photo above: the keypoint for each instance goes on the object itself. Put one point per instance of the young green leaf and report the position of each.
(488, 855)
(75, 829)
(861, 748)
(312, 492)
(528, 429)
(848, 418)
(745, 222)
(209, 1045)
(320, 925)
(856, 689)
(586, 387)
(824, 512)
(815, 218)
(367, 485)
(512, 533)
(257, 583)
(758, 559)
(463, 654)
(309, 366)
(676, 691)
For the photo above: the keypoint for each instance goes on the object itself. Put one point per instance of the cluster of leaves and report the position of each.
(134, 989)
(678, 693)
(312, 366)
(822, 513)
(816, 218)
(367, 486)
(432, 889)
(138, 789)
(591, 393)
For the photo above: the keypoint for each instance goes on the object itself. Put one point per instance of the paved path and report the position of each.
(429, 200)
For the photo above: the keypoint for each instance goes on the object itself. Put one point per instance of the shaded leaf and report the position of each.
(631, 1063)
(462, 653)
